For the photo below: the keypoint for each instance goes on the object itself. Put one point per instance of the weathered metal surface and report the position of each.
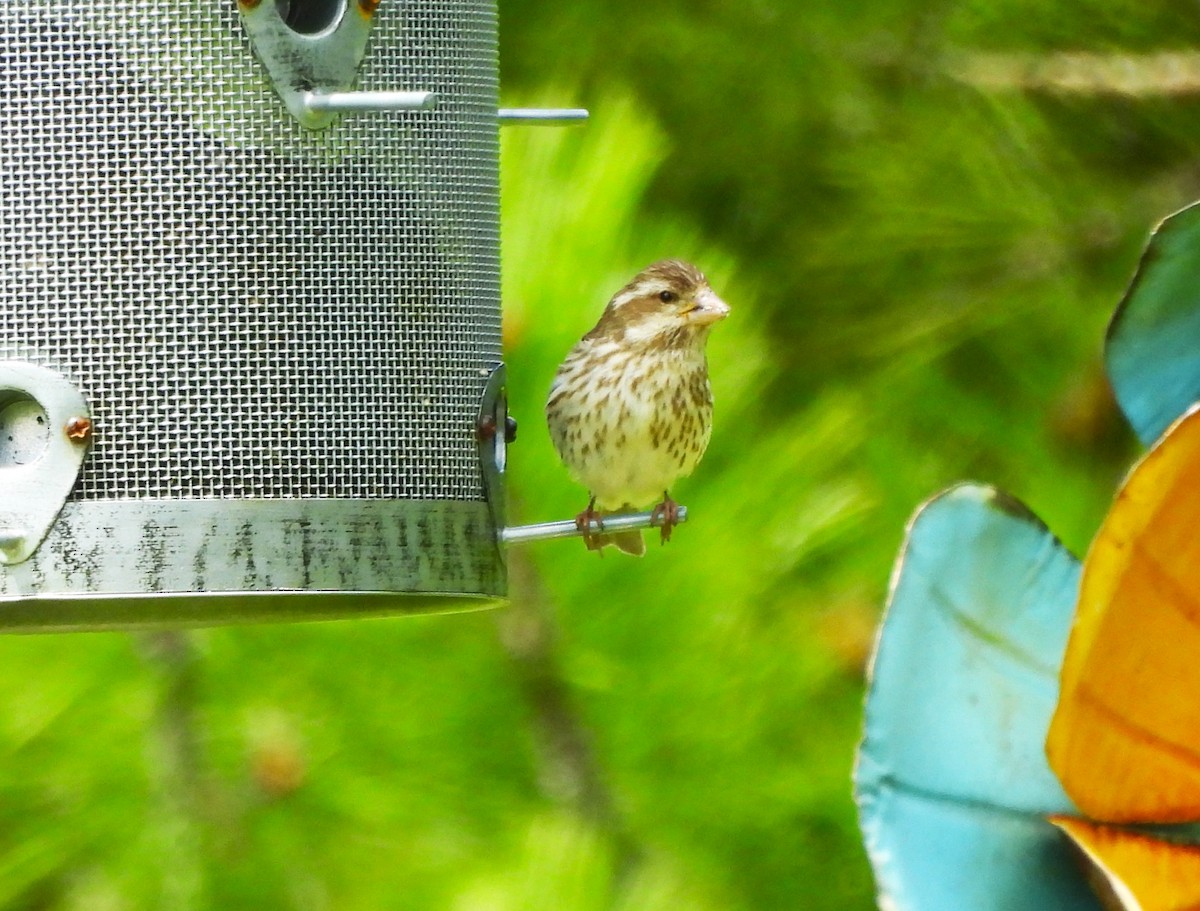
(382, 552)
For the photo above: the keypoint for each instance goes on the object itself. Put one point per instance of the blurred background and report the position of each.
(923, 216)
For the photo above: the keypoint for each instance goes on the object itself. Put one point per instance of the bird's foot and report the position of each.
(588, 520)
(666, 516)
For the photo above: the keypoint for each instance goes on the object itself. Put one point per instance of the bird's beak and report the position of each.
(707, 308)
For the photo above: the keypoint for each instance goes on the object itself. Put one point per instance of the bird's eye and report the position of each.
(667, 296)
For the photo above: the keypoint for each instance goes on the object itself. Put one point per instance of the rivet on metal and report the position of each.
(79, 429)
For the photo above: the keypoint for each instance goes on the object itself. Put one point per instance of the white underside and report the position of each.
(633, 472)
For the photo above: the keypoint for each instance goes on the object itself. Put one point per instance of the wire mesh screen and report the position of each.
(253, 309)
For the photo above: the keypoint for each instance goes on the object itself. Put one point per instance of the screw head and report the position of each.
(510, 429)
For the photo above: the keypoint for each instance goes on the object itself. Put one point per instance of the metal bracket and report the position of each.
(45, 430)
(312, 50)
(493, 432)
(313, 56)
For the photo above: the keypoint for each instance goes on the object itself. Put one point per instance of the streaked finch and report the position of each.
(630, 409)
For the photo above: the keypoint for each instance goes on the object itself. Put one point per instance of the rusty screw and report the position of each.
(78, 429)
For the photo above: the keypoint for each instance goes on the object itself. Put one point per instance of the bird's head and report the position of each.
(668, 304)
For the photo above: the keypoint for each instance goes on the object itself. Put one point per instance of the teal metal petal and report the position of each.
(1152, 350)
(952, 780)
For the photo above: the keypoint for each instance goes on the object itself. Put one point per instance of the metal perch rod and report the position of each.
(349, 102)
(544, 116)
(546, 531)
(360, 102)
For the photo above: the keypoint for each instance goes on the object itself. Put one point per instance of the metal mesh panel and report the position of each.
(253, 309)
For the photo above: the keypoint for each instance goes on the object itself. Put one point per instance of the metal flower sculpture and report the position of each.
(1032, 726)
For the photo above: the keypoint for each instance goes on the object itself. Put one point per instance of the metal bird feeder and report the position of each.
(250, 318)
(250, 322)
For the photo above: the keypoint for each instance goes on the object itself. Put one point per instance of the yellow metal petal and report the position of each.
(1125, 737)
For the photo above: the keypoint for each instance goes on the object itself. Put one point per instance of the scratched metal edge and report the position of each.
(127, 563)
(67, 614)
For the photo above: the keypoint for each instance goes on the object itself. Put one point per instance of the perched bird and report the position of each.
(630, 409)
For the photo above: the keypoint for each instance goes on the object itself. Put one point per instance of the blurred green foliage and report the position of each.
(921, 266)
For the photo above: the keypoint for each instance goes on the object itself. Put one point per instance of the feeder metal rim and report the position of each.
(548, 531)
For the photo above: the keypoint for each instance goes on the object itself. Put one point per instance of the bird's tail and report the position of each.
(627, 542)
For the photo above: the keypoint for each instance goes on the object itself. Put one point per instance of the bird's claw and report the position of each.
(666, 516)
(584, 522)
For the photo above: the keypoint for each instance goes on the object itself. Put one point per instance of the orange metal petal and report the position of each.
(1125, 737)
(1134, 870)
